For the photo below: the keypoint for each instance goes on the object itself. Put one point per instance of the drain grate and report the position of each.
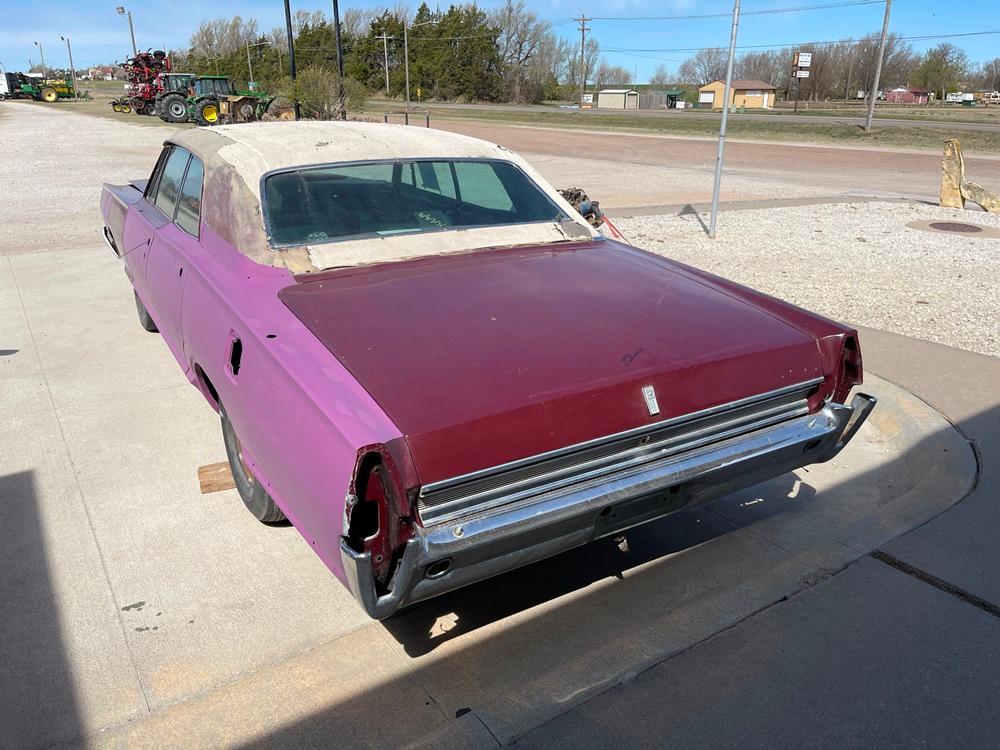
(955, 226)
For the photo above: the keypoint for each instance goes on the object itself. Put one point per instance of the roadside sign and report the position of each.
(588, 98)
(801, 73)
(803, 59)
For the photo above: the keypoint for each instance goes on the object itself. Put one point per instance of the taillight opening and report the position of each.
(851, 372)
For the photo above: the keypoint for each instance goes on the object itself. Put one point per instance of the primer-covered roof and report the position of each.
(254, 149)
(236, 157)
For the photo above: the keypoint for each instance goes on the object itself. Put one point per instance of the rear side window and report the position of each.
(170, 182)
(157, 171)
(189, 202)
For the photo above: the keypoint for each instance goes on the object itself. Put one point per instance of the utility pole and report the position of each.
(582, 20)
(42, 53)
(385, 50)
(725, 118)
(406, 61)
(291, 55)
(878, 67)
(72, 70)
(250, 82)
(341, 95)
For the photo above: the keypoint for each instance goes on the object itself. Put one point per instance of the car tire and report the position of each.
(145, 319)
(173, 108)
(252, 492)
(206, 112)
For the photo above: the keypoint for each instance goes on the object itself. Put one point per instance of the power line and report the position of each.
(762, 12)
(800, 44)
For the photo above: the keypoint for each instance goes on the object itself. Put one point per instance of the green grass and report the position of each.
(973, 141)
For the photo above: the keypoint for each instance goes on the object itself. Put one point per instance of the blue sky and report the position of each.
(98, 34)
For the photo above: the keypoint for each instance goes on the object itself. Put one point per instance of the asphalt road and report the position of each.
(847, 119)
(643, 170)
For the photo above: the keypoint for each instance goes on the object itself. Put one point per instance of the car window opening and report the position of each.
(314, 205)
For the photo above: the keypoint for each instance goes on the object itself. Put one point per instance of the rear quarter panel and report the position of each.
(115, 203)
(300, 416)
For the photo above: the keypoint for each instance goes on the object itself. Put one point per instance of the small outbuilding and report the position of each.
(618, 99)
(907, 95)
(754, 94)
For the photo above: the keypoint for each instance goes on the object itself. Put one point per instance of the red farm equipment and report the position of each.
(144, 73)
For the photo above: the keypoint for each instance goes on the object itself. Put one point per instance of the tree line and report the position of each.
(843, 69)
(510, 54)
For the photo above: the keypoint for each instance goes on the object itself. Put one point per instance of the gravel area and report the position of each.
(856, 262)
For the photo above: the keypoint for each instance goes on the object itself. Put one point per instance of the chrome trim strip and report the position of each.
(582, 472)
(488, 544)
(672, 421)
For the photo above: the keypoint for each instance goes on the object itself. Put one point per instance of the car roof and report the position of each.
(254, 149)
(237, 157)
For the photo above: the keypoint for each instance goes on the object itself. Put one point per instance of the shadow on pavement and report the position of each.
(38, 703)
(478, 605)
(539, 664)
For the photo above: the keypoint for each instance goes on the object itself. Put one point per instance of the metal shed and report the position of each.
(618, 99)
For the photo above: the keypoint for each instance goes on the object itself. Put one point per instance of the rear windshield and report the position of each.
(377, 199)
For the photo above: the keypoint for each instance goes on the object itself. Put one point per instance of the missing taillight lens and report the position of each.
(851, 372)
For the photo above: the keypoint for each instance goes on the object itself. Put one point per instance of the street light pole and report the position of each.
(42, 53)
(725, 119)
(250, 82)
(291, 55)
(878, 67)
(128, 14)
(72, 69)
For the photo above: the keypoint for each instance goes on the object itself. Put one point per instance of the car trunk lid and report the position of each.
(489, 357)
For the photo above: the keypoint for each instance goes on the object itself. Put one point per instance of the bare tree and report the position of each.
(522, 35)
(661, 75)
(705, 66)
(222, 36)
(944, 67)
(611, 75)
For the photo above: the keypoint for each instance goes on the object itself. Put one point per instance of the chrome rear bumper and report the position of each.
(448, 555)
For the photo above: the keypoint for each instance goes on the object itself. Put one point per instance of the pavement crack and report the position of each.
(931, 580)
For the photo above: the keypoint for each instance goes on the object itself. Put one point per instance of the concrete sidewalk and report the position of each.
(901, 649)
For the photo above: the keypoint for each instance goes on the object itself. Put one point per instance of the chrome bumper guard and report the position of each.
(446, 556)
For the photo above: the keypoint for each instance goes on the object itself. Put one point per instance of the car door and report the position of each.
(171, 252)
(141, 223)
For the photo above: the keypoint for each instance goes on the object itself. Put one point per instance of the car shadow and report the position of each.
(479, 605)
(39, 705)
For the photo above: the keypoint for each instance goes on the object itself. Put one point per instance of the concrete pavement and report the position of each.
(136, 612)
(900, 649)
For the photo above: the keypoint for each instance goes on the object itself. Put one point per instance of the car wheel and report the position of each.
(145, 319)
(252, 492)
(173, 108)
(206, 112)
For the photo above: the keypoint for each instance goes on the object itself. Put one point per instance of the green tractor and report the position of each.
(213, 100)
(46, 89)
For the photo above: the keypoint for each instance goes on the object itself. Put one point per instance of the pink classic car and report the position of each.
(429, 363)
